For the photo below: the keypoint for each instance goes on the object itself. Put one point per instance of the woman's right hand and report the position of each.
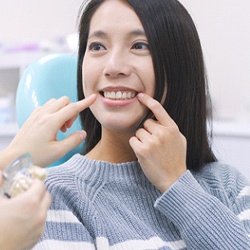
(38, 134)
(23, 217)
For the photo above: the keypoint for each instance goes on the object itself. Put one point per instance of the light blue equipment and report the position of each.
(51, 76)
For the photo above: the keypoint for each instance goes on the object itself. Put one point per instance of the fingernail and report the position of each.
(140, 95)
(82, 134)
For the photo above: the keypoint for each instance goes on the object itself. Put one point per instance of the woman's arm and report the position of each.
(204, 220)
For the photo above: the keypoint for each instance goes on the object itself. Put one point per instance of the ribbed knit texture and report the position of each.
(99, 205)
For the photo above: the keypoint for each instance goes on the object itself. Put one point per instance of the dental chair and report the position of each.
(51, 76)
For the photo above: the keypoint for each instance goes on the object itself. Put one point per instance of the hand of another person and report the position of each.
(38, 134)
(23, 217)
(159, 146)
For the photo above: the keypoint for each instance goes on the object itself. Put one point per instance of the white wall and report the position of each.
(223, 26)
(32, 20)
(224, 30)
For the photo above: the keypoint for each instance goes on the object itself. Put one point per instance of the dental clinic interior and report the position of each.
(31, 30)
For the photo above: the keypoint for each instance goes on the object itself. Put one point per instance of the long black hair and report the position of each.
(178, 65)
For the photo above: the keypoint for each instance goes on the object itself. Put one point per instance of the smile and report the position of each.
(119, 95)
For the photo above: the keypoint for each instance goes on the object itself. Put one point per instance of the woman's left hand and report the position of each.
(159, 146)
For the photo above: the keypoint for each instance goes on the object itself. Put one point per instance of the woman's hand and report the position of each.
(38, 134)
(159, 146)
(23, 217)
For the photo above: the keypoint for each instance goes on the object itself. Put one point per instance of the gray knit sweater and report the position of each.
(99, 205)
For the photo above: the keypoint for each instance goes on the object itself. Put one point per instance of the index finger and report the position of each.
(159, 112)
(85, 103)
(71, 110)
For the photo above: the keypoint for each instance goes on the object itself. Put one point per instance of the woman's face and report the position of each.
(117, 66)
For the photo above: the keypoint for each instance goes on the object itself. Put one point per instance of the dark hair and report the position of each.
(179, 66)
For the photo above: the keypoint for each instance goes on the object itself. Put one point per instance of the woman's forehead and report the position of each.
(115, 13)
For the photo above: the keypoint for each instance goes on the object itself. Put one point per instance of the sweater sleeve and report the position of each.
(203, 220)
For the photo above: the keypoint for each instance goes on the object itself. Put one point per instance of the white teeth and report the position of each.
(119, 95)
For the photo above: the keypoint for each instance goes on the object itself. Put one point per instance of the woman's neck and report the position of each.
(114, 148)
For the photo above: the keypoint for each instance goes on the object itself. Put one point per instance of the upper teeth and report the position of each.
(119, 95)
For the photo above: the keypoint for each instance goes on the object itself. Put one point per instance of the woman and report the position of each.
(149, 179)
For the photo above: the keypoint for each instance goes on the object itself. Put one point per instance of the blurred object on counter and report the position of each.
(7, 109)
(58, 44)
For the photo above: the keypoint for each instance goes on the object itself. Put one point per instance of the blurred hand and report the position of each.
(23, 218)
(38, 134)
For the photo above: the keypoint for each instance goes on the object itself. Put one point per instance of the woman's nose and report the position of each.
(117, 64)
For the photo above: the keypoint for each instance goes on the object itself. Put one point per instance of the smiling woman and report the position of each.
(116, 61)
(147, 148)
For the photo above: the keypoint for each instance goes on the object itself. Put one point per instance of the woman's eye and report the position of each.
(140, 46)
(96, 46)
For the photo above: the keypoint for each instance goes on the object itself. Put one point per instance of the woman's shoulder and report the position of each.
(66, 173)
(74, 164)
(219, 170)
(220, 176)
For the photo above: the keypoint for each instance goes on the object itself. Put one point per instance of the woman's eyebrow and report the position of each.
(98, 33)
(137, 32)
(102, 34)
